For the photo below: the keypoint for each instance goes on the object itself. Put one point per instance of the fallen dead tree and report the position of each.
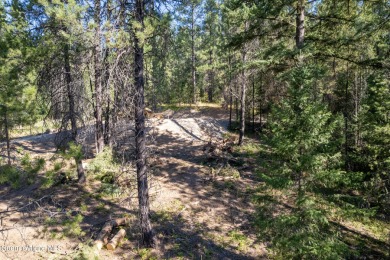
(103, 237)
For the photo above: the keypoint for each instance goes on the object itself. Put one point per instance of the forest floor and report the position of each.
(198, 209)
(195, 216)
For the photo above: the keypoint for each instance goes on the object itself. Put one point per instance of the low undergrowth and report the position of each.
(22, 174)
(323, 225)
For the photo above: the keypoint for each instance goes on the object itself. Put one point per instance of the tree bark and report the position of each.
(193, 58)
(243, 98)
(243, 94)
(116, 239)
(102, 237)
(300, 24)
(107, 90)
(346, 123)
(68, 80)
(72, 113)
(99, 131)
(253, 104)
(236, 104)
(148, 237)
(230, 92)
(7, 136)
(260, 102)
(119, 85)
(211, 79)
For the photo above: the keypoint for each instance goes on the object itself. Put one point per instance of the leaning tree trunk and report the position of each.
(148, 237)
(72, 112)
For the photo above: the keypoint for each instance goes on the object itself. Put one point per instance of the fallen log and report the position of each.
(102, 238)
(116, 239)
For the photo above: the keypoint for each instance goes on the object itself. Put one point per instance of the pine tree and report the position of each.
(148, 237)
(59, 48)
(376, 140)
(17, 74)
(302, 130)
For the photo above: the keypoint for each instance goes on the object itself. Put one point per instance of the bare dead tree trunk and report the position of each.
(72, 112)
(99, 132)
(148, 237)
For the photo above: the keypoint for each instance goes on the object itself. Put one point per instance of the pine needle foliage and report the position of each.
(302, 129)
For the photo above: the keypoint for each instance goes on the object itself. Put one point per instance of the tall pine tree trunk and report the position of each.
(7, 135)
(253, 103)
(230, 92)
(118, 85)
(107, 89)
(300, 24)
(211, 78)
(107, 117)
(299, 41)
(260, 102)
(148, 237)
(346, 123)
(243, 98)
(236, 104)
(99, 131)
(72, 112)
(193, 58)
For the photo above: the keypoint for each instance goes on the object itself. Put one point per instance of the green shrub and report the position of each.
(53, 177)
(104, 164)
(110, 189)
(49, 179)
(86, 253)
(31, 167)
(58, 166)
(10, 175)
(229, 171)
(74, 151)
(72, 226)
(303, 233)
(240, 239)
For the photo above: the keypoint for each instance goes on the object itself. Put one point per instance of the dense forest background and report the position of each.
(308, 80)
